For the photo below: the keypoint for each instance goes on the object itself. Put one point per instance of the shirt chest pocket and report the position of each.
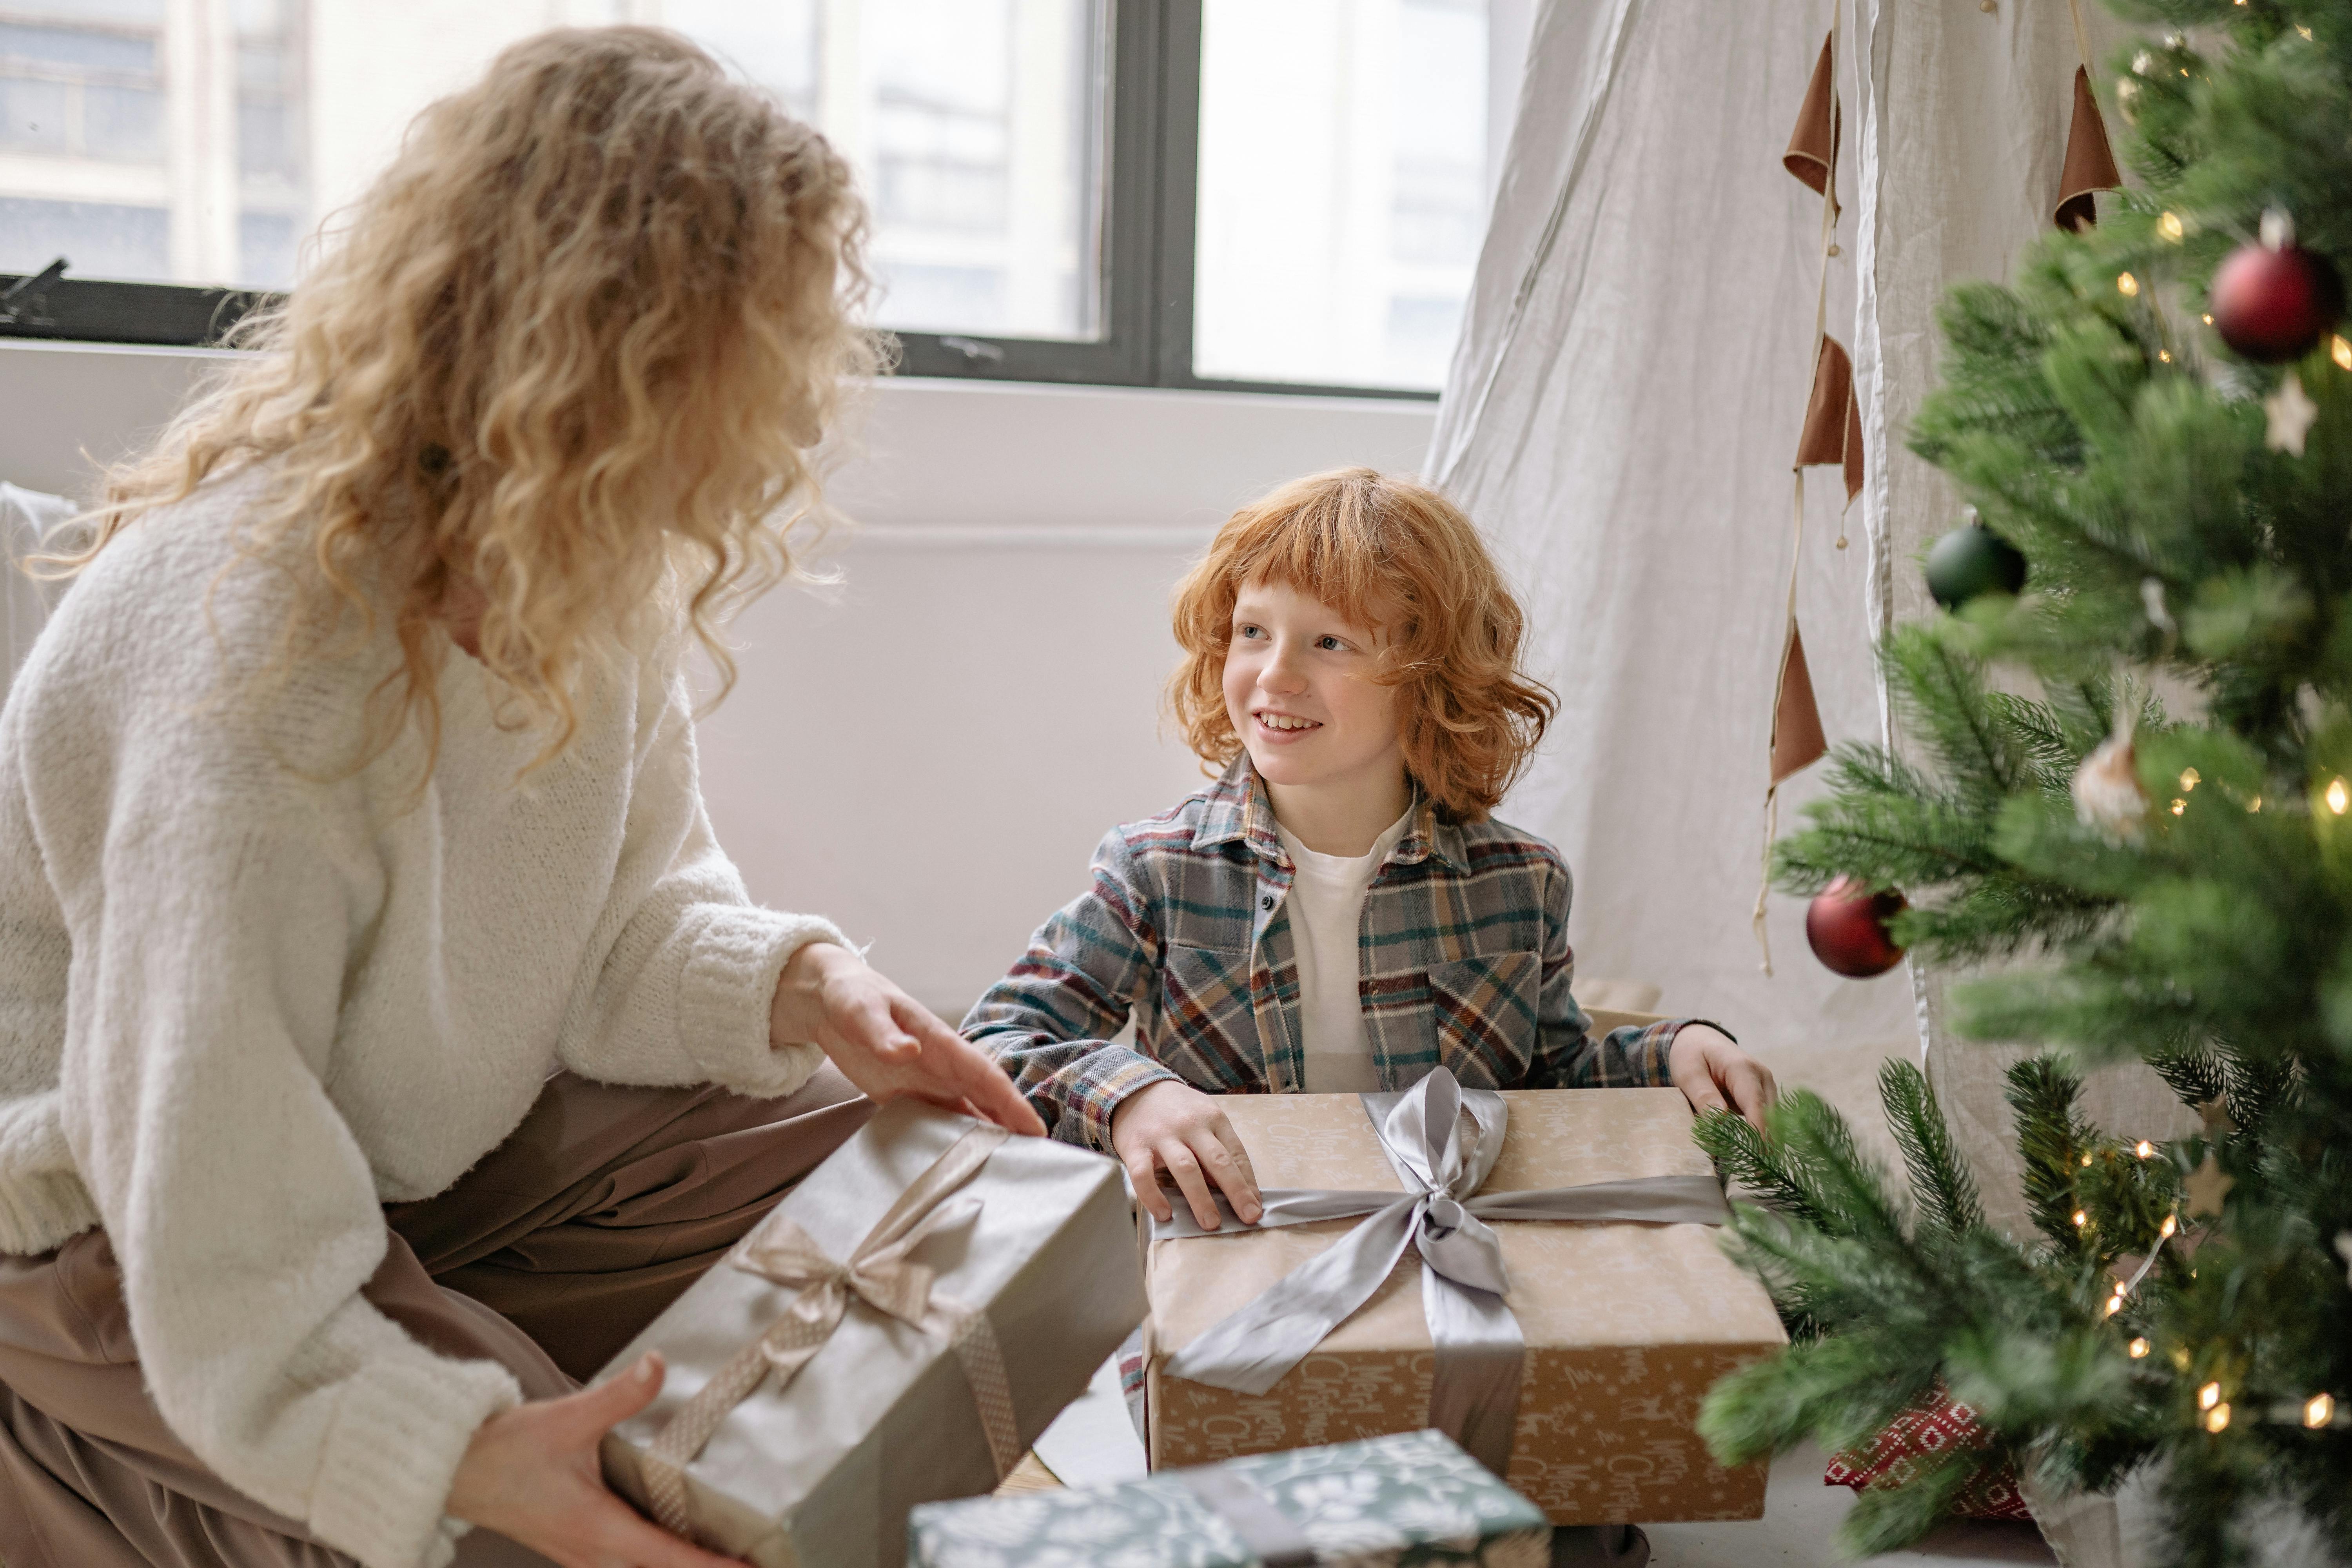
(1486, 1014)
(1204, 1001)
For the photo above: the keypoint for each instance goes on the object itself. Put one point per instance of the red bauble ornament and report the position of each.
(2273, 303)
(1846, 925)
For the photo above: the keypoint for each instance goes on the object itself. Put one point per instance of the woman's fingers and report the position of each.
(597, 1410)
(623, 1535)
(877, 1022)
(1210, 1149)
(1185, 1167)
(971, 1075)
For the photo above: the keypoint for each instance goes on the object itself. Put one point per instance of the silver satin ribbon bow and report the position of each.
(1442, 1161)
(877, 1273)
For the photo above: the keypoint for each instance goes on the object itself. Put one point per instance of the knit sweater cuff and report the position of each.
(41, 1209)
(400, 1427)
(729, 994)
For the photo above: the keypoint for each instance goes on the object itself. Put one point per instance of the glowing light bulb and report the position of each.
(2144, 1149)
(2164, 354)
(2169, 1227)
(2339, 795)
(2179, 805)
(2087, 1162)
(2218, 1418)
(2127, 285)
(2191, 778)
(2255, 804)
(2318, 1411)
(2207, 319)
(2170, 224)
(2115, 1305)
(2137, 1349)
(2340, 350)
(2081, 1219)
(2208, 1396)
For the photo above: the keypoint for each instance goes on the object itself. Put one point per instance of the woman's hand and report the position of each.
(531, 1474)
(885, 1042)
(1715, 1074)
(1173, 1127)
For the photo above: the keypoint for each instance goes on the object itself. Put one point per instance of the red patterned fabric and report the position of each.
(1895, 1455)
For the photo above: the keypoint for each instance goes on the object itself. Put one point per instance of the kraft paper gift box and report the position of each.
(1626, 1325)
(899, 1330)
(1415, 1498)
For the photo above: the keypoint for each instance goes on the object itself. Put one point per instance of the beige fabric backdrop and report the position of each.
(1962, 126)
(1620, 417)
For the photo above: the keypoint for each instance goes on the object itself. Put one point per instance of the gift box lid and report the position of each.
(1415, 1495)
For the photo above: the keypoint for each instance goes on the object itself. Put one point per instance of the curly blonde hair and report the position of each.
(1393, 555)
(572, 348)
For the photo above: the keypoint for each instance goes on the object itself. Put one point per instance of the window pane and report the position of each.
(974, 125)
(1342, 188)
(104, 241)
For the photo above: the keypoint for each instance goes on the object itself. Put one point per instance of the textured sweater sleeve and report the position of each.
(690, 965)
(214, 876)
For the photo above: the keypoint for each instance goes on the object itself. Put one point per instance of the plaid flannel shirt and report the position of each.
(1464, 960)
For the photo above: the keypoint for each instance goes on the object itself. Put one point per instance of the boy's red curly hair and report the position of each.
(1393, 555)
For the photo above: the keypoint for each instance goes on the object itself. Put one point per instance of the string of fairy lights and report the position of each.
(2208, 1186)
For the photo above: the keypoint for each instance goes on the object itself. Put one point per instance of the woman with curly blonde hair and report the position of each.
(1338, 911)
(383, 1037)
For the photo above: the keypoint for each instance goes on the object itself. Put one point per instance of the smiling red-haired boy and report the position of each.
(1338, 911)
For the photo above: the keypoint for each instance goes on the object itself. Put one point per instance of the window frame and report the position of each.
(1149, 143)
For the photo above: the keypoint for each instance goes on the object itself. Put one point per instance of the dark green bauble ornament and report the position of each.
(1972, 560)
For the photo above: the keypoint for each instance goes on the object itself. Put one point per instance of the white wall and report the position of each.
(929, 757)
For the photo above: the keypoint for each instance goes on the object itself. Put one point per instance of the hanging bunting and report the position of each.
(1813, 145)
(2090, 166)
(1832, 432)
(1797, 738)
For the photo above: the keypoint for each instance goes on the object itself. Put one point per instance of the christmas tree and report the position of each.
(2159, 416)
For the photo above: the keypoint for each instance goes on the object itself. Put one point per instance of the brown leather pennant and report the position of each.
(2090, 166)
(1797, 738)
(1832, 432)
(1813, 145)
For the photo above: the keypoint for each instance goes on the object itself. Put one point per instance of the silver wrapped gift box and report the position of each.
(898, 1330)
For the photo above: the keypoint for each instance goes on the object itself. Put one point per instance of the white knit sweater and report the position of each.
(247, 997)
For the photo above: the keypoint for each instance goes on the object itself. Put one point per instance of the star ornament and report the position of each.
(2215, 1114)
(2292, 413)
(2208, 1185)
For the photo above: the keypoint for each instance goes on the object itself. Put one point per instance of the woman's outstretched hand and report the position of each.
(1173, 1127)
(885, 1042)
(1715, 1074)
(531, 1474)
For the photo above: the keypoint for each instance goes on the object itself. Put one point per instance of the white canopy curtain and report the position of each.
(1621, 418)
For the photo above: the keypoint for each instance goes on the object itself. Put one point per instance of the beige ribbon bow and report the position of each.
(877, 1273)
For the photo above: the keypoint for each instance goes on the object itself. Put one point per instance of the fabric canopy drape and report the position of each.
(1621, 418)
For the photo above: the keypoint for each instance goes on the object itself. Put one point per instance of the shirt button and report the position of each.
(1267, 903)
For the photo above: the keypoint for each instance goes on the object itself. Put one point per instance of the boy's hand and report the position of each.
(1173, 1127)
(1715, 1074)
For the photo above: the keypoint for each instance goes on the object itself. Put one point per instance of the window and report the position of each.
(1173, 192)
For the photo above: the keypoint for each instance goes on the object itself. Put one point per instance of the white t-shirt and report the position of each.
(1326, 910)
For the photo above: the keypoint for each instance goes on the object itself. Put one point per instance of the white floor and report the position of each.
(1798, 1530)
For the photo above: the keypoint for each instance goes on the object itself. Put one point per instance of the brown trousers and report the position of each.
(549, 1257)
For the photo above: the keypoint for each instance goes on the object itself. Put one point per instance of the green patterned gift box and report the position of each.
(1390, 1502)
